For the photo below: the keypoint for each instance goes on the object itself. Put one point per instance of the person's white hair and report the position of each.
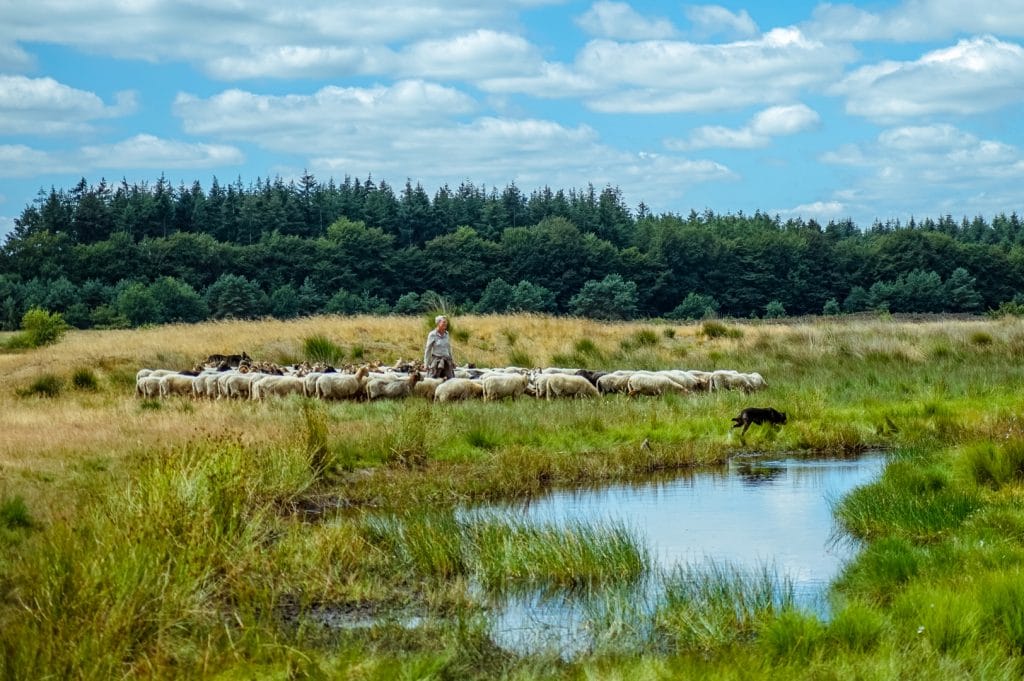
(439, 318)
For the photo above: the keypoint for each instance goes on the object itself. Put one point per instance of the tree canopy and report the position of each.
(134, 254)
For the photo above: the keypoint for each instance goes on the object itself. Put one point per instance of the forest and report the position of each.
(112, 256)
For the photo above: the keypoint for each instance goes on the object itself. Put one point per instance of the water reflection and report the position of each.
(753, 515)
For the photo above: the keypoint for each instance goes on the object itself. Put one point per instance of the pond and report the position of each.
(753, 515)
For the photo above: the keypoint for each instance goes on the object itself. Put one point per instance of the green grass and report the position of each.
(210, 553)
(47, 385)
(320, 348)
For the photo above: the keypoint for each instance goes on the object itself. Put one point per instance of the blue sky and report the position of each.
(875, 110)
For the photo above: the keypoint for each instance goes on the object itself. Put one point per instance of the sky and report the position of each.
(869, 111)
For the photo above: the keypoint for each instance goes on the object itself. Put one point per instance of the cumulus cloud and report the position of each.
(138, 152)
(252, 38)
(974, 76)
(662, 76)
(714, 19)
(479, 54)
(776, 121)
(916, 20)
(43, 106)
(13, 58)
(937, 167)
(411, 130)
(619, 21)
(822, 211)
(332, 116)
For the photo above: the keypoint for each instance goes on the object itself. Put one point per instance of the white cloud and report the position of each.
(663, 76)
(667, 76)
(822, 211)
(251, 38)
(297, 61)
(916, 20)
(20, 160)
(13, 58)
(712, 19)
(331, 117)
(473, 56)
(776, 121)
(43, 106)
(619, 21)
(411, 131)
(148, 151)
(931, 169)
(140, 151)
(973, 76)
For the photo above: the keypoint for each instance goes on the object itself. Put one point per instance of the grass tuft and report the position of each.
(85, 379)
(319, 348)
(14, 514)
(713, 329)
(47, 385)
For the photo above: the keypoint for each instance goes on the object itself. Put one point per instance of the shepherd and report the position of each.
(437, 355)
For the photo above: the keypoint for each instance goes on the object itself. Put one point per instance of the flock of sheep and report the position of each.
(248, 381)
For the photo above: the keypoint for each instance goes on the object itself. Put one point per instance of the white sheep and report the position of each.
(755, 381)
(207, 384)
(615, 382)
(391, 387)
(148, 387)
(238, 386)
(564, 385)
(728, 379)
(276, 386)
(426, 387)
(652, 383)
(498, 386)
(683, 378)
(458, 389)
(342, 386)
(176, 384)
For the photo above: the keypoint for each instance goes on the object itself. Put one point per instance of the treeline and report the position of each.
(105, 255)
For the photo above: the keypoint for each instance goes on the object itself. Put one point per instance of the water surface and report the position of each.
(752, 514)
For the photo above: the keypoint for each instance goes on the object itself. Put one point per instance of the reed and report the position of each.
(516, 555)
(711, 607)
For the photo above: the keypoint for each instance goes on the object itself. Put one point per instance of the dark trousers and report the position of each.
(442, 367)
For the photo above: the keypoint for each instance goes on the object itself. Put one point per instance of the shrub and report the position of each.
(774, 310)
(831, 308)
(40, 327)
(610, 298)
(84, 379)
(695, 306)
(47, 385)
(408, 303)
(1008, 308)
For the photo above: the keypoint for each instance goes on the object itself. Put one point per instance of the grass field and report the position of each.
(182, 539)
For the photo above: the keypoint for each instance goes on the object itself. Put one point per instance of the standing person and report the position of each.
(437, 355)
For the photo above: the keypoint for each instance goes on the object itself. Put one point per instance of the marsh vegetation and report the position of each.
(207, 539)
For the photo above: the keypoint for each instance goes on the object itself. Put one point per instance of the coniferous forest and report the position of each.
(108, 255)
